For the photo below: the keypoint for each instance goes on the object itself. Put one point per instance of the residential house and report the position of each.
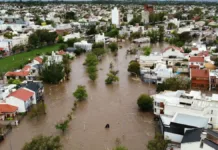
(173, 127)
(158, 74)
(173, 55)
(198, 139)
(5, 90)
(213, 79)
(200, 79)
(195, 103)
(196, 62)
(129, 17)
(7, 111)
(84, 45)
(38, 60)
(71, 36)
(151, 60)
(99, 38)
(35, 86)
(54, 58)
(22, 98)
(63, 29)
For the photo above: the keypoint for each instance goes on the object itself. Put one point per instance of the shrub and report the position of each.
(145, 102)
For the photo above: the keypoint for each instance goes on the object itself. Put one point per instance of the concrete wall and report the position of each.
(195, 146)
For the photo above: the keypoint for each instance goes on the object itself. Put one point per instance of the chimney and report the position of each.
(203, 136)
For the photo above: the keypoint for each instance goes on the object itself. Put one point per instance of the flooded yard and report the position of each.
(114, 104)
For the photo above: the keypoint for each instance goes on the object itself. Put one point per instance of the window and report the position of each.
(155, 103)
(155, 110)
(211, 111)
(211, 119)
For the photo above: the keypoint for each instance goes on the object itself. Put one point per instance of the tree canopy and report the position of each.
(145, 102)
(174, 84)
(44, 143)
(158, 143)
(52, 73)
(80, 93)
(134, 67)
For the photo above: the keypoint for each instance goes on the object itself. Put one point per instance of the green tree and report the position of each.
(136, 19)
(37, 110)
(80, 93)
(14, 81)
(60, 39)
(174, 84)
(63, 47)
(71, 15)
(112, 32)
(154, 36)
(111, 77)
(98, 51)
(134, 67)
(44, 143)
(171, 26)
(91, 60)
(62, 125)
(66, 63)
(70, 42)
(145, 102)
(120, 148)
(158, 143)
(52, 73)
(147, 50)
(161, 33)
(92, 30)
(98, 45)
(113, 47)
(216, 62)
(8, 35)
(92, 71)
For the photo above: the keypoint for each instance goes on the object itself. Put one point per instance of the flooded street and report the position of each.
(114, 104)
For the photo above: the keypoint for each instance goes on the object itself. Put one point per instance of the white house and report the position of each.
(173, 52)
(54, 58)
(22, 98)
(199, 139)
(129, 17)
(158, 74)
(5, 90)
(99, 38)
(84, 45)
(71, 36)
(115, 16)
(174, 127)
(151, 60)
(193, 103)
(145, 16)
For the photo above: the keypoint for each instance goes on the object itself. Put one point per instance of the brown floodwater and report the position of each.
(114, 104)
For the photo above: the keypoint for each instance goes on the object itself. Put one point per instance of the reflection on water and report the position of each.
(113, 104)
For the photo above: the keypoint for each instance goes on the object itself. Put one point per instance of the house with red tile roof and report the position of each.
(22, 98)
(37, 60)
(7, 111)
(173, 51)
(196, 62)
(199, 78)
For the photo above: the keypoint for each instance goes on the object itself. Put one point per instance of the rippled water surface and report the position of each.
(114, 104)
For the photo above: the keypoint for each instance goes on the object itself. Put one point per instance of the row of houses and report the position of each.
(19, 99)
(173, 61)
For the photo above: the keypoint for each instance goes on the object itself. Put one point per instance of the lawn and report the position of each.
(13, 62)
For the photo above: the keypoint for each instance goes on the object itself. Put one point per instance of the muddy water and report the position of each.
(114, 104)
